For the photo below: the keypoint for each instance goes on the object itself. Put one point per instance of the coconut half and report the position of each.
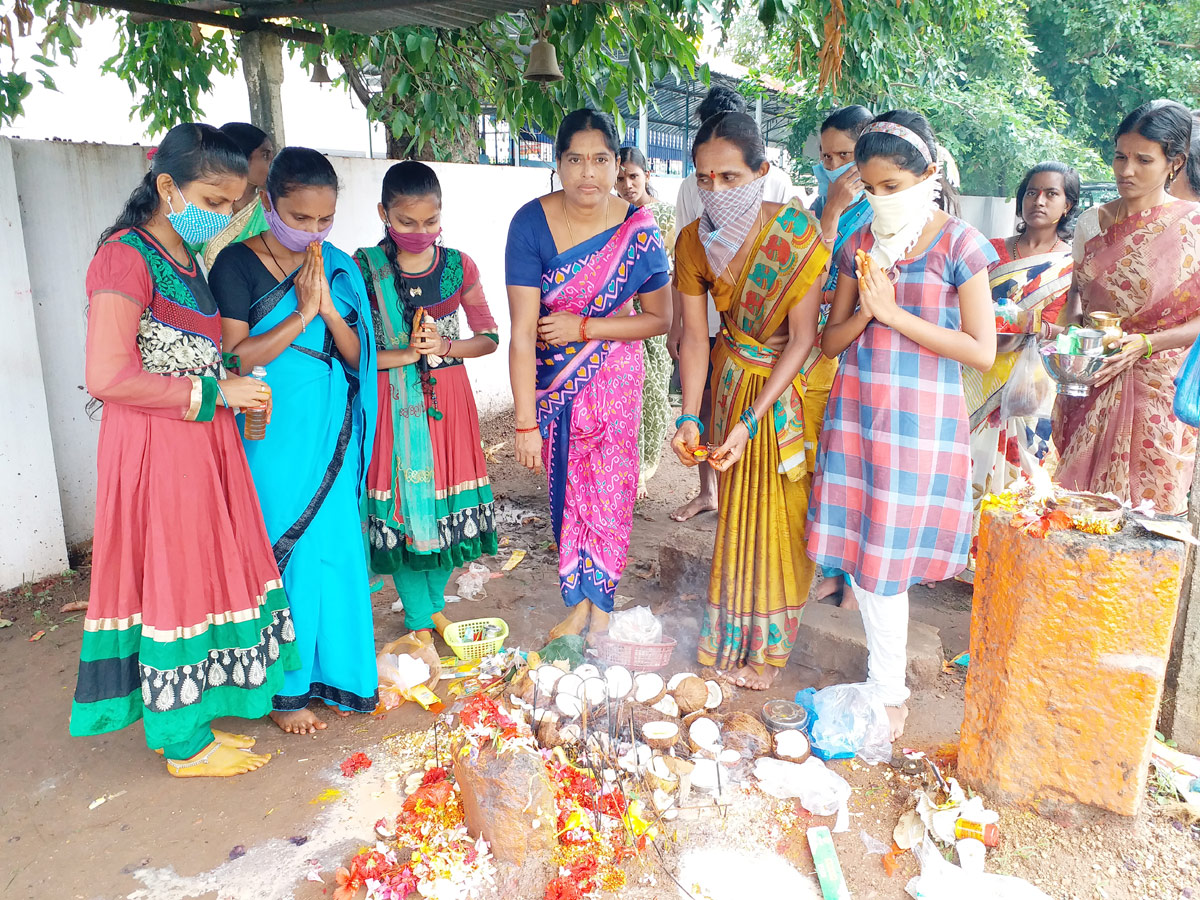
(791, 745)
(662, 800)
(569, 705)
(547, 678)
(716, 695)
(570, 684)
(691, 694)
(667, 706)
(586, 671)
(594, 690)
(648, 688)
(704, 736)
(619, 681)
(660, 735)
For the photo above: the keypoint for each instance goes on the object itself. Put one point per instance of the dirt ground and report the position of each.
(99, 819)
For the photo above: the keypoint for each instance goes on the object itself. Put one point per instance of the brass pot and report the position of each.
(1110, 324)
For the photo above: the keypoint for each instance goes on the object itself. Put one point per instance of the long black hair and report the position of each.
(188, 152)
(586, 120)
(638, 158)
(248, 137)
(740, 130)
(1066, 225)
(1167, 123)
(406, 179)
(875, 144)
(299, 167)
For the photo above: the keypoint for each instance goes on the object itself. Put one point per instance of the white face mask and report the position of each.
(900, 218)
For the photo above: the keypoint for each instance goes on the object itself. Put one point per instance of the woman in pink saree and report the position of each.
(1140, 259)
(575, 261)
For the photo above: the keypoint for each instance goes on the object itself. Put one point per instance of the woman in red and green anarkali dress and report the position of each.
(429, 498)
(187, 619)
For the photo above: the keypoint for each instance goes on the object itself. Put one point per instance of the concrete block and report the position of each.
(685, 564)
(832, 640)
(1070, 636)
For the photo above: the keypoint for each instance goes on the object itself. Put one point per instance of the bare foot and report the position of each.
(441, 623)
(298, 721)
(337, 710)
(217, 761)
(729, 676)
(700, 503)
(754, 680)
(642, 490)
(229, 739)
(575, 622)
(897, 716)
(849, 600)
(830, 586)
(598, 622)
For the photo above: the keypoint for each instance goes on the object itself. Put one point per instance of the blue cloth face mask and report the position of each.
(193, 224)
(825, 177)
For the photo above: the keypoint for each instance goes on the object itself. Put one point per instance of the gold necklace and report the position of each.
(567, 218)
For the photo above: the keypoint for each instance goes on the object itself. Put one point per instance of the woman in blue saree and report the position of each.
(575, 363)
(298, 306)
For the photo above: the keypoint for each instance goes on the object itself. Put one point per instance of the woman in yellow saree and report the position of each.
(769, 310)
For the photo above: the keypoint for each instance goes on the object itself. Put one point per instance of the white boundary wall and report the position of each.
(55, 199)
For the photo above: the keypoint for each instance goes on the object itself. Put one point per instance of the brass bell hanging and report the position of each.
(543, 63)
(320, 74)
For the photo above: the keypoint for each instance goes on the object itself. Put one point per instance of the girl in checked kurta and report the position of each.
(892, 495)
(248, 219)
(429, 498)
(187, 619)
(1138, 256)
(576, 260)
(762, 264)
(296, 304)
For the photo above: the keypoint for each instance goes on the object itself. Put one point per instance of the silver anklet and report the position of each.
(182, 764)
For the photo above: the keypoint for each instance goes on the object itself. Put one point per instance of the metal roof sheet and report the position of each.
(370, 16)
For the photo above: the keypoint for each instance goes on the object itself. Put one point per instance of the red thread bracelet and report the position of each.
(583, 330)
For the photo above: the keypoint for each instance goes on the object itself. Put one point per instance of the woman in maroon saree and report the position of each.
(1141, 260)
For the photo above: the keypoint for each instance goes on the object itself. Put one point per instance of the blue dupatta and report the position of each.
(324, 407)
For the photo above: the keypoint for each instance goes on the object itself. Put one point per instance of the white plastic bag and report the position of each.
(470, 583)
(852, 719)
(1029, 390)
(941, 880)
(635, 626)
(820, 790)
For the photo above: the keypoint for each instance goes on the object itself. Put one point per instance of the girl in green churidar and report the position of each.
(429, 499)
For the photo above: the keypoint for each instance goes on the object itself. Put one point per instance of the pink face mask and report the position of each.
(414, 241)
(293, 238)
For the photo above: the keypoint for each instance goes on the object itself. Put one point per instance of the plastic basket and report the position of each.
(638, 657)
(457, 638)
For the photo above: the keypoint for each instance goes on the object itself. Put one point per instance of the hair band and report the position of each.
(905, 134)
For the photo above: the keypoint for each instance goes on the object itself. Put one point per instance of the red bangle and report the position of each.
(583, 329)
(527, 430)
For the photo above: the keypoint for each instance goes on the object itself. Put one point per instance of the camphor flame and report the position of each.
(1043, 485)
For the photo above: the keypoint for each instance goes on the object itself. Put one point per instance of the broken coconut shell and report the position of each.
(659, 775)
(704, 735)
(691, 694)
(619, 681)
(649, 688)
(792, 746)
(660, 735)
(740, 721)
(675, 679)
(668, 707)
(716, 694)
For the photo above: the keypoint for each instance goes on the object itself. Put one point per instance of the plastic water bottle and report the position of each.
(256, 419)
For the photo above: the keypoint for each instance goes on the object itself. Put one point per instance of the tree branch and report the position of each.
(355, 79)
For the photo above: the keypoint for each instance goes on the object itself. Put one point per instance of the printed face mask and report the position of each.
(193, 224)
(293, 238)
(412, 241)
